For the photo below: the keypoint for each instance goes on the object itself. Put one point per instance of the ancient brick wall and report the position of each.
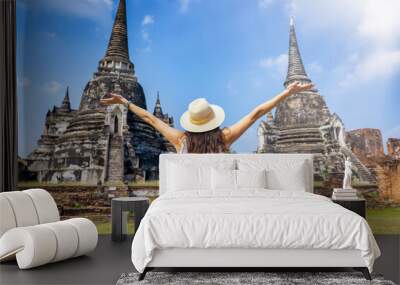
(366, 144)
(388, 173)
(393, 147)
(92, 201)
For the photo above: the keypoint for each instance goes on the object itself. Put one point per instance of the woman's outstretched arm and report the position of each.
(171, 134)
(232, 133)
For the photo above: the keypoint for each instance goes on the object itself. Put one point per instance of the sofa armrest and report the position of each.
(41, 244)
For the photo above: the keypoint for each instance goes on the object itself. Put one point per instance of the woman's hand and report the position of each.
(114, 99)
(297, 87)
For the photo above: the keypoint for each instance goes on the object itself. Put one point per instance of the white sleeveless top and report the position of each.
(183, 148)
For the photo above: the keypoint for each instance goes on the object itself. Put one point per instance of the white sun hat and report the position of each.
(202, 116)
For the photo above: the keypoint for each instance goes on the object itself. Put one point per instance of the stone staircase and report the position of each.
(363, 172)
(115, 159)
(305, 140)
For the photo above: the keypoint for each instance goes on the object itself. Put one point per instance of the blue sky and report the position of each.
(233, 52)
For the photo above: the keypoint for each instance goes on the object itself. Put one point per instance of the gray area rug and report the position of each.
(229, 278)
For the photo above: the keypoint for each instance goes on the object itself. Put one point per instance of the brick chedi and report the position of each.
(392, 169)
(304, 124)
(96, 143)
(366, 144)
(393, 147)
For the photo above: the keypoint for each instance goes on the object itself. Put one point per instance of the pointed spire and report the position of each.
(296, 70)
(117, 54)
(66, 103)
(157, 108)
(118, 44)
(158, 98)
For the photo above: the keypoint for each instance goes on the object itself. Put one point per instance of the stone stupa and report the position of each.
(304, 124)
(96, 144)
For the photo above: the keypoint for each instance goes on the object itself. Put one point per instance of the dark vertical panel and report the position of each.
(8, 96)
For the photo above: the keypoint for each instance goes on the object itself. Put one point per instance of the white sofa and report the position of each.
(31, 230)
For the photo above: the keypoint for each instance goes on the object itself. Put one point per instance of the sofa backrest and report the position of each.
(26, 208)
(285, 167)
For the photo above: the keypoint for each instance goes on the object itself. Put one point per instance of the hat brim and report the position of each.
(210, 125)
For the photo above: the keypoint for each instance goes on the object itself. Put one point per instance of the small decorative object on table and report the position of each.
(120, 208)
(347, 174)
(344, 194)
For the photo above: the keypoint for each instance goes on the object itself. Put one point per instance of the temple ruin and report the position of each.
(303, 124)
(97, 144)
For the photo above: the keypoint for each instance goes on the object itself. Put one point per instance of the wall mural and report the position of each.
(87, 154)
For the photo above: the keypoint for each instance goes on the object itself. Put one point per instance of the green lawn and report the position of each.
(384, 221)
(104, 225)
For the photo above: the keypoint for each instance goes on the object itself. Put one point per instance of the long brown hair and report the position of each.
(206, 142)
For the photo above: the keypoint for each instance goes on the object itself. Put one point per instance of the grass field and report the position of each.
(384, 221)
(381, 221)
(104, 225)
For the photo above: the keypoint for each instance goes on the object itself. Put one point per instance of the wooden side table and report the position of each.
(357, 205)
(120, 208)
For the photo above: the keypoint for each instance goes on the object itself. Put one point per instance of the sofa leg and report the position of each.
(364, 271)
(143, 274)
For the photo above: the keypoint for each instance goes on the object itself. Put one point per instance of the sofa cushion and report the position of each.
(41, 244)
(45, 205)
(23, 208)
(7, 218)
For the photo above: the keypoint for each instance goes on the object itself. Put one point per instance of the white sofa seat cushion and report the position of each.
(23, 209)
(45, 205)
(87, 235)
(67, 240)
(7, 218)
(26, 208)
(32, 246)
(40, 244)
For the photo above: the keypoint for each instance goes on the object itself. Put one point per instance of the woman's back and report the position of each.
(205, 142)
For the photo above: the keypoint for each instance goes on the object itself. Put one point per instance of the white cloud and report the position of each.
(314, 68)
(380, 64)
(380, 24)
(265, 3)
(148, 20)
(145, 36)
(52, 87)
(276, 65)
(99, 11)
(368, 29)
